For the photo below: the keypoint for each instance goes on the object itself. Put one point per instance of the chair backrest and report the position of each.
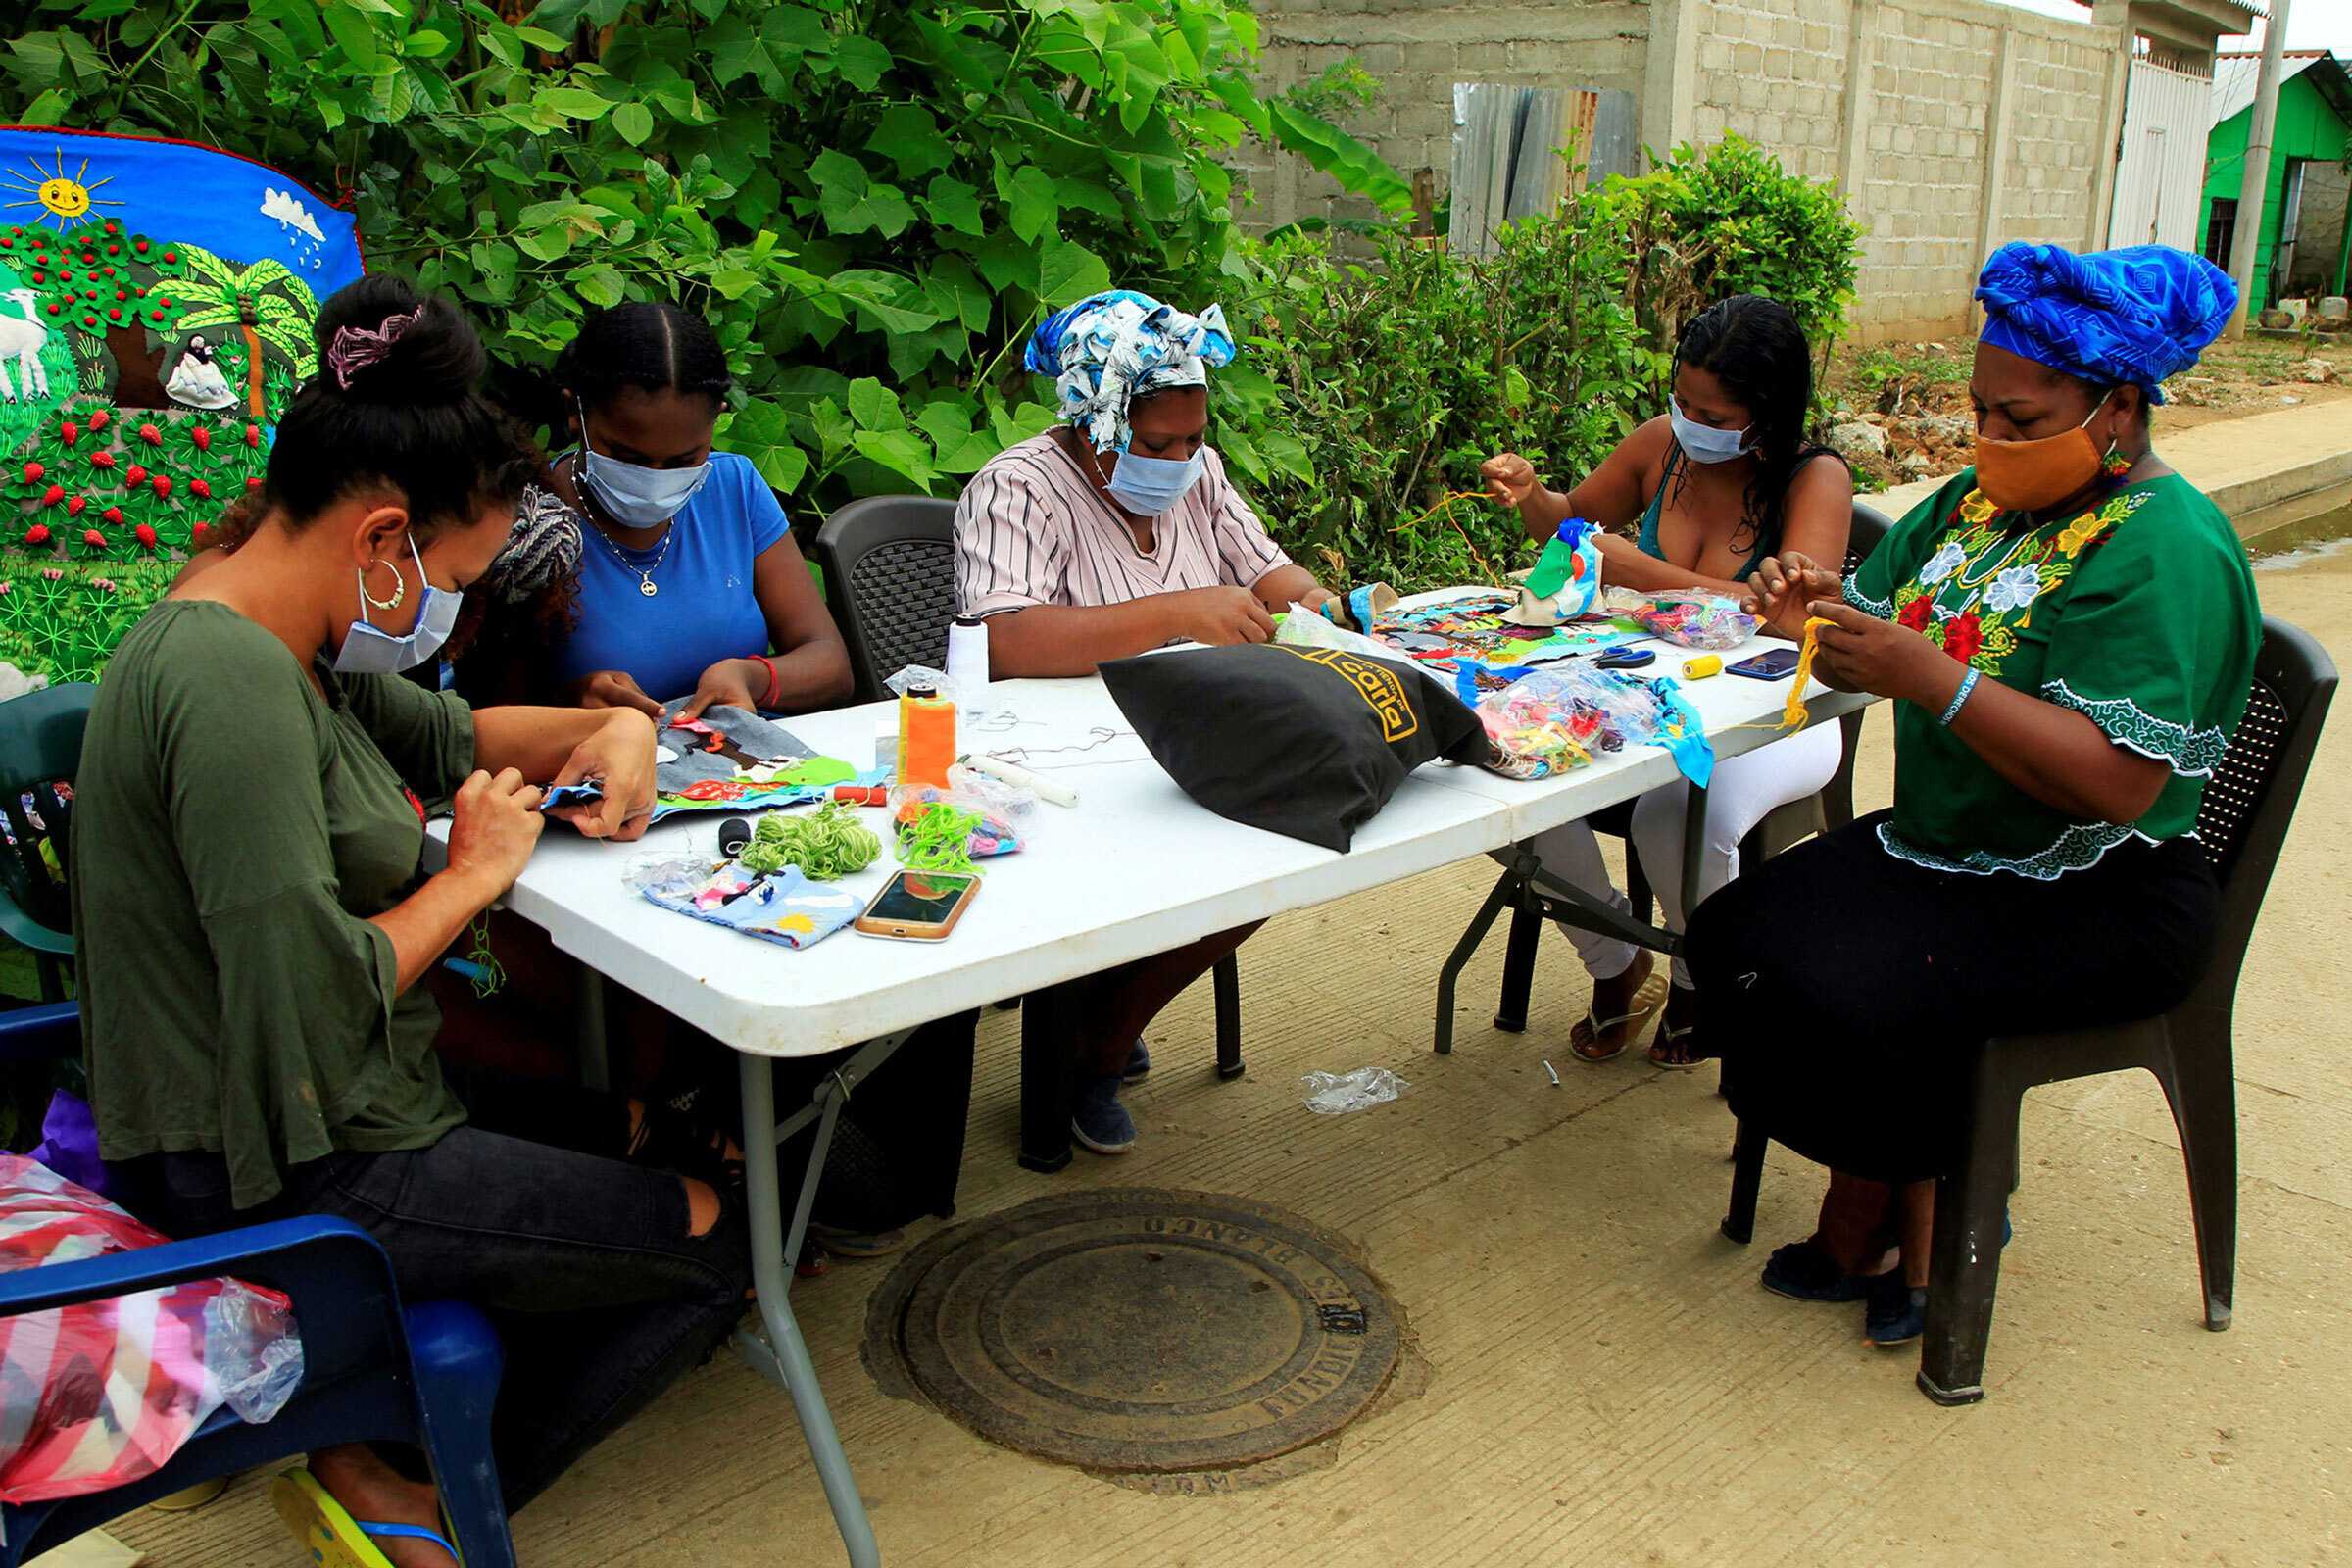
(890, 568)
(1869, 530)
(2250, 799)
(40, 749)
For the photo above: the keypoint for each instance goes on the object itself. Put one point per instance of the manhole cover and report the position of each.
(1141, 1330)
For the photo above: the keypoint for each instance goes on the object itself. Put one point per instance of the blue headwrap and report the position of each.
(1113, 347)
(2135, 316)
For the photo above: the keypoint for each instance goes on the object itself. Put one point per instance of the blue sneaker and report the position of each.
(1894, 1312)
(1097, 1120)
(1139, 1063)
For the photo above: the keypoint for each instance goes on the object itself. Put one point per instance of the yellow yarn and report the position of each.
(1793, 714)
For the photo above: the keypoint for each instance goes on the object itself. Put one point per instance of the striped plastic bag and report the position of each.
(100, 1394)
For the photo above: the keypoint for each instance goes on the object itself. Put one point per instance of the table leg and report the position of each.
(784, 1355)
(1508, 888)
(1046, 1039)
(594, 1053)
(1695, 849)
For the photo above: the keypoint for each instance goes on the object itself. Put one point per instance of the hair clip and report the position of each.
(355, 348)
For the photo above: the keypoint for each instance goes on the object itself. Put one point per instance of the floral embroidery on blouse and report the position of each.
(1977, 591)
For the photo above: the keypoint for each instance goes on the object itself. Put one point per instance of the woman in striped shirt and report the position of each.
(1111, 534)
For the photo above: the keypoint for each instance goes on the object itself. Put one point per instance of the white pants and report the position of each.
(1744, 791)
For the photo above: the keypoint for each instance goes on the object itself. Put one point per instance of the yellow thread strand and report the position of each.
(1793, 713)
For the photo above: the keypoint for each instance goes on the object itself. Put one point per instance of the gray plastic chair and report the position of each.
(1784, 828)
(2248, 804)
(889, 564)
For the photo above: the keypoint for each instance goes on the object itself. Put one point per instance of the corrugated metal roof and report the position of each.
(2235, 77)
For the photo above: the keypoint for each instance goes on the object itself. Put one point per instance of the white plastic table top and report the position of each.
(1136, 868)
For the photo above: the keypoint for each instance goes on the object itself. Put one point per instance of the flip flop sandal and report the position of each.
(1648, 998)
(328, 1532)
(1669, 1040)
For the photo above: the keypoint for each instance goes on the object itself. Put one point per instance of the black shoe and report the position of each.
(1803, 1272)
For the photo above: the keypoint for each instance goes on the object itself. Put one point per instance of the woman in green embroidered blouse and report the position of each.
(2068, 632)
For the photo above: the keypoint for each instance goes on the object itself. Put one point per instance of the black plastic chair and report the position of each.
(890, 568)
(40, 749)
(1784, 828)
(2248, 804)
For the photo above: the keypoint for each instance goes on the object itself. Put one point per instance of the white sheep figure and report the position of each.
(21, 338)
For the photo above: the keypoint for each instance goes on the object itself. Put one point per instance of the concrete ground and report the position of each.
(1605, 1383)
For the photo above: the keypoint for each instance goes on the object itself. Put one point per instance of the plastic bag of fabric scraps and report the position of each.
(784, 906)
(946, 830)
(1304, 629)
(1688, 618)
(1566, 580)
(1561, 716)
(102, 1395)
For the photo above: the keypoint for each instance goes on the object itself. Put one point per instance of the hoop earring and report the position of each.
(400, 587)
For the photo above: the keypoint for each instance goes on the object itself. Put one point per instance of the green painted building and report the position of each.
(2304, 234)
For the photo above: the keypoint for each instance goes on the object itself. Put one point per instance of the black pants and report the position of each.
(600, 1296)
(1846, 990)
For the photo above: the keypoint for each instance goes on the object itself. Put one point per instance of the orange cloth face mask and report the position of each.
(2033, 475)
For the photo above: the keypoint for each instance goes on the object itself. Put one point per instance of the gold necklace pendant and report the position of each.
(646, 587)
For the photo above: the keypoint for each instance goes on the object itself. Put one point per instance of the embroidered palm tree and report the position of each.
(265, 302)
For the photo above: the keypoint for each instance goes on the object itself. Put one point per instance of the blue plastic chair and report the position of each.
(371, 1372)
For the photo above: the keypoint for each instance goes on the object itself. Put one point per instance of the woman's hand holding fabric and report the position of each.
(1860, 652)
(613, 688)
(723, 685)
(621, 757)
(1219, 617)
(497, 824)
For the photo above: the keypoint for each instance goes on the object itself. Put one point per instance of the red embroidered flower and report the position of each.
(1963, 635)
(1917, 613)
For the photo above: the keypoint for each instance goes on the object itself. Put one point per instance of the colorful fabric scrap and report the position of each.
(1478, 630)
(784, 906)
(157, 306)
(751, 794)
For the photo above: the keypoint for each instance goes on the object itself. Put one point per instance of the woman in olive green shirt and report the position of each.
(254, 916)
(2068, 631)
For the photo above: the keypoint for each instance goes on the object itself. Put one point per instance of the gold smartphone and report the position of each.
(918, 906)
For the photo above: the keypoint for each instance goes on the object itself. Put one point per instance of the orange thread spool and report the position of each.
(926, 738)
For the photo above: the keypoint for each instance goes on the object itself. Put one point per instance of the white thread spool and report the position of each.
(967, 665)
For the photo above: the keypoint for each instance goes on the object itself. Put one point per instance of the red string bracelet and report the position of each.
(775, 682)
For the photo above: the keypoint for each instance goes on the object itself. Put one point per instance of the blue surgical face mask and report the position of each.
(1703, 443)
(370, 650)
(635, 496)
(1150, 486)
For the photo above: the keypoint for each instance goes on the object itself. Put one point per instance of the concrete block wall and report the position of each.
(1774, 72)
(2058, 109)
(1418, 49)
(1919, 184)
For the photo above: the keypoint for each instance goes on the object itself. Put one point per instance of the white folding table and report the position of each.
(1135, 870)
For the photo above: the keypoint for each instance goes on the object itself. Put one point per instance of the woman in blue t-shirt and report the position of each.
(653, 567)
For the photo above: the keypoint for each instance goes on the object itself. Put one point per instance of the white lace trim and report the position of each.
(2077, 849)
(2192, 752)
(1884, 609)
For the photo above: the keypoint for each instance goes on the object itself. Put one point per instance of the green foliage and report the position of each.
(1370, 394)
(872, 200)
(1729, 220)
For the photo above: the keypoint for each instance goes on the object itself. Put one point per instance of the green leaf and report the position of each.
(1068, 271)
(1357, 167)
(354, 34)
(634, 122)
(1034, 203)
(600, 284)
(574, 103)
(541, 38)
(909, 137)
(763, 432)
(874, 406)
(901, 451)
(834, 428)
(852, 203)
(861, 62)
(49, 109)
(424, 44)
(1005, 262)
(955, 205)
(734, 283)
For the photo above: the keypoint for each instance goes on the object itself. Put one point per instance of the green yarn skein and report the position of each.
(826, 846)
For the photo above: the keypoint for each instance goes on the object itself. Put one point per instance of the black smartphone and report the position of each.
(1778, 663)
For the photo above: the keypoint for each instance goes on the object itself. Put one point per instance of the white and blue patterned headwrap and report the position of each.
(1111, 348)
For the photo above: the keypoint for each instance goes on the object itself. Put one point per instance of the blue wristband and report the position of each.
(1968, 683)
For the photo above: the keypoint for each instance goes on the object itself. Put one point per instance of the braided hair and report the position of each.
(1752, 344)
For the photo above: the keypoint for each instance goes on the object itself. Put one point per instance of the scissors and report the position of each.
(1625, 658)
